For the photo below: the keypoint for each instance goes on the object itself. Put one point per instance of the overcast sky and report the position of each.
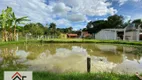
(75, 13)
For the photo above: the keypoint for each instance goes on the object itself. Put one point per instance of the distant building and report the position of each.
(72, 35)
(85, 34)
(109, 34)
(63, 36)
(130, 33)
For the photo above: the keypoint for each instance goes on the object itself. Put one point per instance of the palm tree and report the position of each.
(7, 21)
(17, 21)
(138, 22)
(4, 19)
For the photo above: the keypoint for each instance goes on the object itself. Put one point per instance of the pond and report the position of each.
(70, 57)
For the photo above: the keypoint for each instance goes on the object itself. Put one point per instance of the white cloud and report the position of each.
(36, 10)
(90, 7)
(62, 12)
(79, 26)
(61, 8)
(77, 18)
(136, 16)
(112, 11)
(121, 2)
(63, 22)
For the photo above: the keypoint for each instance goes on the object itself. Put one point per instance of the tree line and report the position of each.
(37, 29)
(11, 25)
(113, 22)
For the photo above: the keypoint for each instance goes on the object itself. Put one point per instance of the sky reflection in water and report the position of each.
(71, 57)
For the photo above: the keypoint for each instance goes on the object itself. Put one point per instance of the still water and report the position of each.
(71, 57)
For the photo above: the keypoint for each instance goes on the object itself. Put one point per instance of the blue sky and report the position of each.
(75, 13)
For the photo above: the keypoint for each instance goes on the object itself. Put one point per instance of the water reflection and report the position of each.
(70, 57)
(128, 67)
(64, 60)
(9, 60)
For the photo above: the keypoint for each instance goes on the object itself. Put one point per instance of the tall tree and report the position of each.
(52, 28)
(69, 29)
(34, 28)
(94, 27)
(115, 21)
(4, 19)
(137, 22)
(52, 25)
(17, 21)
(7, 21)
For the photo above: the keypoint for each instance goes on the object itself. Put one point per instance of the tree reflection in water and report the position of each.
(65, 57)
(9, 60)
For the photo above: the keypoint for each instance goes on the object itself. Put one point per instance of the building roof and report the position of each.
(113, 29)
(127, 28)
(72, 35)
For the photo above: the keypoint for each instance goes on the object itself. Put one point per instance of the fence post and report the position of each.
(88, 64)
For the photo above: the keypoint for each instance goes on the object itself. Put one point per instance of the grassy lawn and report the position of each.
(82, 76)
(75, 41)
(91, 41)
(78, 76)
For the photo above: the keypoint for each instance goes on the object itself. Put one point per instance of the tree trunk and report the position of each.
(4, 35)
(10, 37)
(14, 36)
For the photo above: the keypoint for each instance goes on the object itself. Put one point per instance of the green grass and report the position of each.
(91, 41)
(18, 42)
(75, 41)
(78, 76)
(81, 76)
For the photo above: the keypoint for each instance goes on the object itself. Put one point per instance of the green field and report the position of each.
(75, 41)
(78, 76)
(82, 76)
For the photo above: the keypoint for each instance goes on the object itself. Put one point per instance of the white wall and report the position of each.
(131, 35)
(106, 35)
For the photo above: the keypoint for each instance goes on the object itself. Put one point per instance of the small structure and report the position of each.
(130, 33)
(63, 36)
(72, 35)
(85, 34)
(109, 34)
